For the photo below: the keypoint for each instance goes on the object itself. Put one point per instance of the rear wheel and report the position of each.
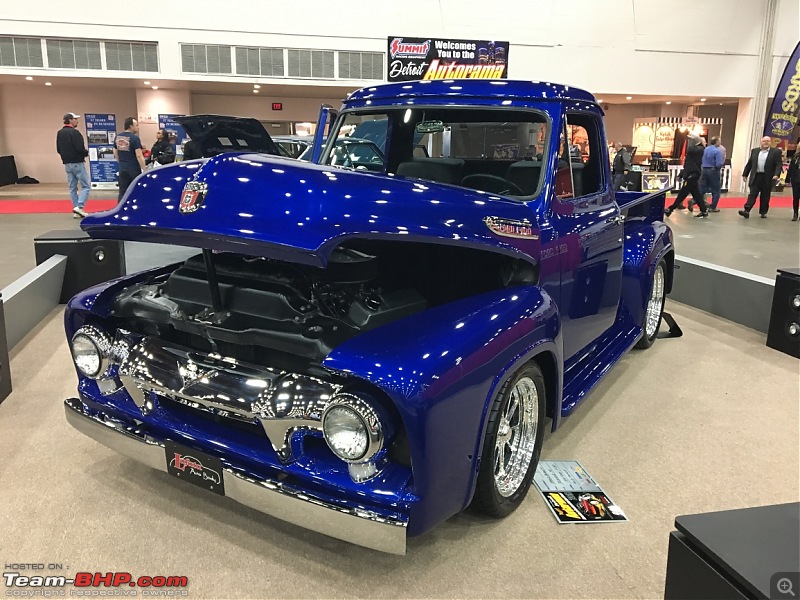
(513, 443)
(655, 307)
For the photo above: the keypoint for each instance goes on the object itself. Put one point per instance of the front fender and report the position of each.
(441, 369)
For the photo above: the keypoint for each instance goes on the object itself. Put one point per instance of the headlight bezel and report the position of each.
(102, 343)
(370, 420)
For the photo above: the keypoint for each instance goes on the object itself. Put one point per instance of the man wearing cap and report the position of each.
(73, 152)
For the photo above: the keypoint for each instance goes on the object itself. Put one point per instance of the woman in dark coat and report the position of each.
(793, 177)
(162, 150)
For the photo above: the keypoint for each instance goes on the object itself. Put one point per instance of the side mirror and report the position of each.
(327, 115)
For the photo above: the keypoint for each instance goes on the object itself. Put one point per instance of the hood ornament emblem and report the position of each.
(511, 228)
(194, 193)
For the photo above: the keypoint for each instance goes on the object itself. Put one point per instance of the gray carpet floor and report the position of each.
(701, 423)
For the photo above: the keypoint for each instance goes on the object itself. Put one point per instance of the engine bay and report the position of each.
(269, 306)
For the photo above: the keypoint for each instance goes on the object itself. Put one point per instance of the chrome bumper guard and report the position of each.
(361, 527)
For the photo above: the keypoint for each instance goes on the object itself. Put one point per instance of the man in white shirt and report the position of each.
(761, 173)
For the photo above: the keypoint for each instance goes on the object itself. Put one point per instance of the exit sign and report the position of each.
(277, 106)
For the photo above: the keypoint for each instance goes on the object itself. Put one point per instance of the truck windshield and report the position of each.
(493, 150)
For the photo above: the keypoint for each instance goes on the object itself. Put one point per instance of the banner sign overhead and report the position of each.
(783, 115)
(101, 130)
(412, 59)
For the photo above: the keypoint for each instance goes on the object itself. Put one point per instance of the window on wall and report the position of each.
(198, 58)
(21, 52)
(361, 65)
(265, 62)
(73, 54)
(311, 63)
(131, 56)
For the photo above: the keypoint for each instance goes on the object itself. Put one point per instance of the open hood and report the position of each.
(282, 208)
(216, 134)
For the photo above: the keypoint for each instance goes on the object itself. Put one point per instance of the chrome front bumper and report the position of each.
(357, 526)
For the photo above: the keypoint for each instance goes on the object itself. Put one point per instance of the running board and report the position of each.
(581, 377)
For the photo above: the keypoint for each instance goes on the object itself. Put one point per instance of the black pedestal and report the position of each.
(742, 553)
(5, 367)
(784, 321)
(89, 261)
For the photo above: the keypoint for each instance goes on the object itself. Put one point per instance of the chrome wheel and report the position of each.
(516, 437)
(656, 303)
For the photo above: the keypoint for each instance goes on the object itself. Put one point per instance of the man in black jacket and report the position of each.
(763, 169)
(692, 169)
(69, 145)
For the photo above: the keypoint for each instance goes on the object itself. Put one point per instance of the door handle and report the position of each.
(616, 219)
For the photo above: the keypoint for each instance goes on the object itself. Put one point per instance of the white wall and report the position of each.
(675, 47)
(294, 109)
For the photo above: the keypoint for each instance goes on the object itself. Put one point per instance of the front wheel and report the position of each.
(513, 443)
(655, 307)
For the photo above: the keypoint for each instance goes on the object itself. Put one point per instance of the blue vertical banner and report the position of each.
(783, 115)
(101, 131)
(177, 134)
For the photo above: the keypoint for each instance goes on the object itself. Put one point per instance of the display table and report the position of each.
(743, 553)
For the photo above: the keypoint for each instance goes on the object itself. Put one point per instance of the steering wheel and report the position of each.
(491, 183)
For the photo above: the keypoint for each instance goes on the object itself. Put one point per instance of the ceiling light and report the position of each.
(669, 102)
(29, 78)
(600, 101)
(47, 83)
(155, 87)
(702, 99)
(255, 91)
(255, 85)
(147, 83)
(628, 97)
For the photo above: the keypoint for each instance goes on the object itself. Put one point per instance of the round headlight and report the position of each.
(345, 433)
(90, 350)
(86, 355)
(352, 429)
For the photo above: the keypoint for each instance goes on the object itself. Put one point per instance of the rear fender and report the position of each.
(646, 243)
(441, 368)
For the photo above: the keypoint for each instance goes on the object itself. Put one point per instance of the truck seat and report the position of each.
(525, 174)
(443, 170)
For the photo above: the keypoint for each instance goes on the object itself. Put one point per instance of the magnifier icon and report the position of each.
(784, 586)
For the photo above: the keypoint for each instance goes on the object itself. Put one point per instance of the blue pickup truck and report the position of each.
(367, 344)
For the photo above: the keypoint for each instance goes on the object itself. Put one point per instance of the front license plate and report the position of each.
(199, 468)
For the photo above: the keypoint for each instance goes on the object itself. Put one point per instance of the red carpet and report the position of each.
(24, 207)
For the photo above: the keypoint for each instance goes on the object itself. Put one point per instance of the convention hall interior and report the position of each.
(455, 493)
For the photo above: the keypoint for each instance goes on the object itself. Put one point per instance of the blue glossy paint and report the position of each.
(441, 368)
(257, 204)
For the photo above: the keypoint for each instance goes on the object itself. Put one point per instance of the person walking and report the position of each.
(128, 152)
(713, 159)
(692, 169)
(73, 153)
(761, 172)
(620, 166)
(793, 177)
(161, 152)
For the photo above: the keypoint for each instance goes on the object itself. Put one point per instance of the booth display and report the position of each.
(328, 358)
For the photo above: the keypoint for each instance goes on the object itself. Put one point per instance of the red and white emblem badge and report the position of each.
(511, 228)
(194, 192)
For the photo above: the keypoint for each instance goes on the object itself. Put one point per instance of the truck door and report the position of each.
(590, 231)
